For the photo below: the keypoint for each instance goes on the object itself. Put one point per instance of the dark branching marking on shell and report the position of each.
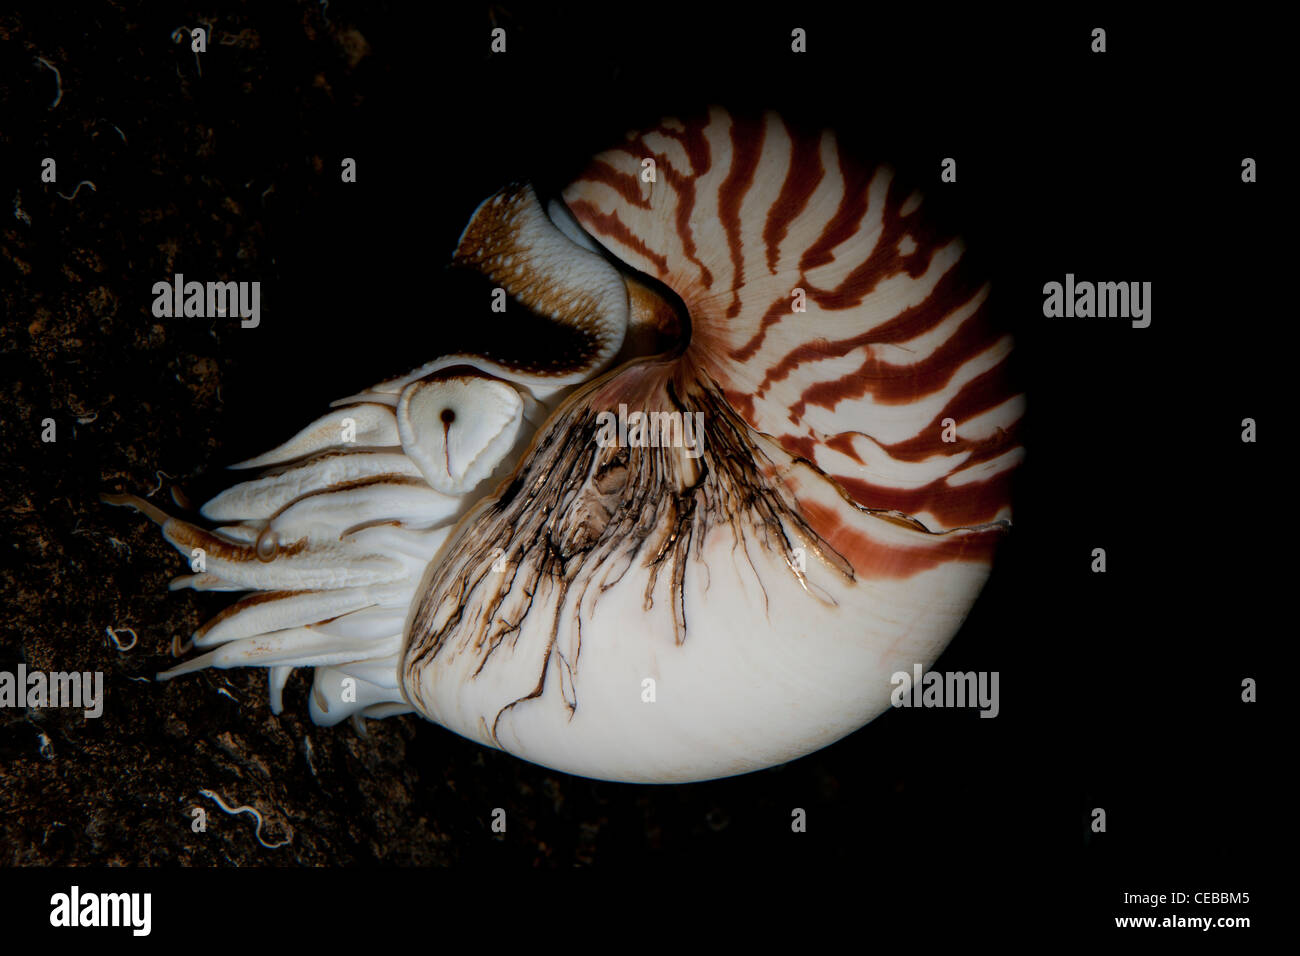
(578, 514)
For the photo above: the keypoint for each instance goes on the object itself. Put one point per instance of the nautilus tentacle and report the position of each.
(666, 547)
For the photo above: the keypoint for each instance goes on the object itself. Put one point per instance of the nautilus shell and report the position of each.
(757, 463)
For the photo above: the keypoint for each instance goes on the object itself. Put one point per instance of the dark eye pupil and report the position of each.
(448, 416)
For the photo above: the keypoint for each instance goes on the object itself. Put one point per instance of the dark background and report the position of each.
(1119, 691)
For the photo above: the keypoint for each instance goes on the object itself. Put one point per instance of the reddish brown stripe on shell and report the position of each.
(885, 259)
(883, 262)
(694, 142)
(979, 395)
(684, 186)
(801, 181)
(872, 559)
(847, 218)
(608, 224)
(843, 443)
(622, 183)
(971, 504)
(682, 183)
(746, 148)
(968, 505)
(886, 382)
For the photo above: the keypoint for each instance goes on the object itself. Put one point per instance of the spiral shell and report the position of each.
(761, 467)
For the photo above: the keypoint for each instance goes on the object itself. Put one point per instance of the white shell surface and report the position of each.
(773, 665)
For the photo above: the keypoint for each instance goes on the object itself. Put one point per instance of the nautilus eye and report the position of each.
(756, 463)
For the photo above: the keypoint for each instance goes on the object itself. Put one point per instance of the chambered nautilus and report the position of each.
(757, 462)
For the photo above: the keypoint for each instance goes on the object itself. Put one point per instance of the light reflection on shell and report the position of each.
(639, 610)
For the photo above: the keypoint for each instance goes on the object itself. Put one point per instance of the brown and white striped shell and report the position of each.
(650, 608)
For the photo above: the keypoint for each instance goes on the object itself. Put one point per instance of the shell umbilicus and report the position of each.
(666, 547)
